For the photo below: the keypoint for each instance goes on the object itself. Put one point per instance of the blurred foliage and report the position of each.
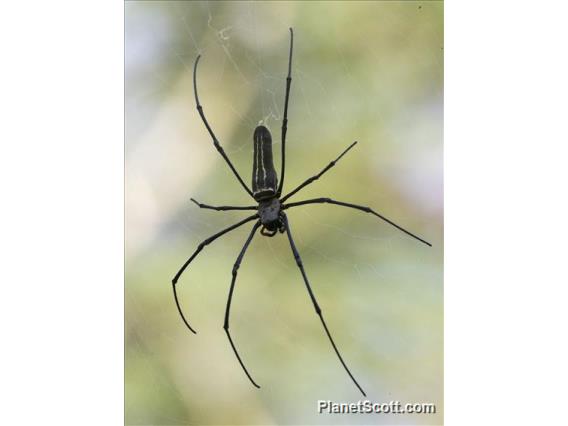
(366, 71)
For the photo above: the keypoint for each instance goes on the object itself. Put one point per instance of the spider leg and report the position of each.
(226, 324)
(195, 253)
(354, 206)
(316, 177)
(285, 120)
(316, 306)
(223, 208)
(215, 140)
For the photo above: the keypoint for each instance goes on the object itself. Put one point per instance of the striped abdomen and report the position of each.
(264, 180)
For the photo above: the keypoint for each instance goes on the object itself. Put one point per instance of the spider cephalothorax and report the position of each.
(270, 216)
(266, 191)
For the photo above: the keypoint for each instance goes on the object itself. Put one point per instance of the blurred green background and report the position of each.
(365, 71)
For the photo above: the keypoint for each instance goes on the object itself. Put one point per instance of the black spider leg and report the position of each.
(316, 306)
(223, 208)
(354, 206)
(215, 141)
(195, 253)
(316, 177)
(285, 120)
(226, 324)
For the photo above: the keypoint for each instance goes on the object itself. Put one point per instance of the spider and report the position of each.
(270, 213)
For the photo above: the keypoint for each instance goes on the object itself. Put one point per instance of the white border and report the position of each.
(61, 171)
(506, 162)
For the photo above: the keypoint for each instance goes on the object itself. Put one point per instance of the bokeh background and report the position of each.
(369, 71)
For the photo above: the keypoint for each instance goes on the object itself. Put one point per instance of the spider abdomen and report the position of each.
(264, 179)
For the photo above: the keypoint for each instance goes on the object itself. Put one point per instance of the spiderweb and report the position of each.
(379, 82)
